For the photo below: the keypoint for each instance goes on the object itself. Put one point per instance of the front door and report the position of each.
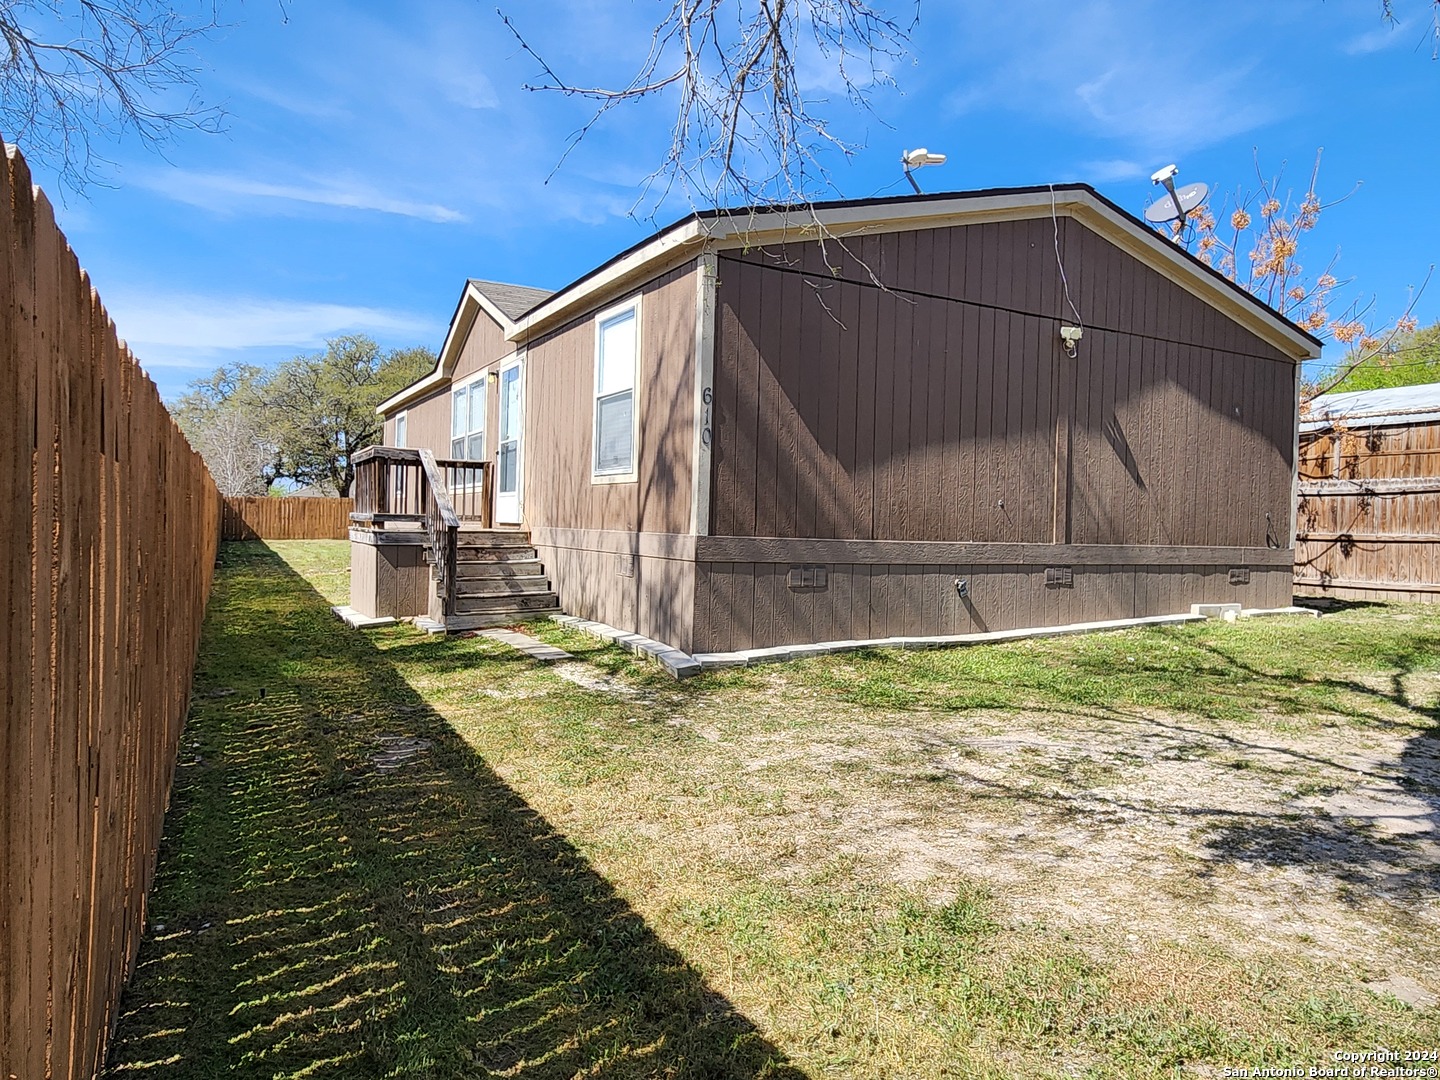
(507, 455)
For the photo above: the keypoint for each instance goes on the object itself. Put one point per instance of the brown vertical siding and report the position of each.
(654, 596)
(389, 580)
(559, 420)
(935, 406)
(924, 441)
(742, 605)
(651, 596)
(942, 407)
(1169, 434)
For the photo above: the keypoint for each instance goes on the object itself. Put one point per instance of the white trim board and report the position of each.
(747, 657)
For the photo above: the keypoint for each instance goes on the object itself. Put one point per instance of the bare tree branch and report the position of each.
(746, 128)
(77, 73)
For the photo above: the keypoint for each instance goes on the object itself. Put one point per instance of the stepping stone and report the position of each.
(397, 751)
(536, 650)
(356, 621)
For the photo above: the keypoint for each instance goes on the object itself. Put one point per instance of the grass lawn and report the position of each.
(1160, 852)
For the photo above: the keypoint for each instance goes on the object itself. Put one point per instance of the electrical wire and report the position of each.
(1064, 281)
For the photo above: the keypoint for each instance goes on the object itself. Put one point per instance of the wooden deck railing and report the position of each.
(400, 484)
(390, 486)
(442, 527)
(472, 490)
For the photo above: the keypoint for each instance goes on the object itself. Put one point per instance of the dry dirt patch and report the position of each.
(1135, 829)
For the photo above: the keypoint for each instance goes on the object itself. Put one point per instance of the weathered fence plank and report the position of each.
(108, 529)
(1368, 526)
(290, 518)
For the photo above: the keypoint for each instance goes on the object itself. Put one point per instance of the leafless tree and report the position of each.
(77, 73)
(238, 452)
(1255, 238)
(747, 128)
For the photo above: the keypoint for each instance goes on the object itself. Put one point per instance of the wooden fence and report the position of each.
(289, 518)
(1369, 513)
(108, 532)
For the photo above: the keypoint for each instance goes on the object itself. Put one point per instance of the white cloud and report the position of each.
(304, 103)
(227, 193)
(1143, 102)
(1379, 39)
(422, 117)
(1110, 69)
(188, 330)
(1105, 172)
(466, 85)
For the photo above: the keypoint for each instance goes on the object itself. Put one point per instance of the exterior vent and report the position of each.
(808, 578)
(1059, 577)
(1239, 575)
(625, 565)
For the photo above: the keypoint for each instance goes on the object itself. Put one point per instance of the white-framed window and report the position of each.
(467, 419)
(400, 426)
(617, 370)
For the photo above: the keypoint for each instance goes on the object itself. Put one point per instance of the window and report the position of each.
(617, 352)
(467, 420)
(400, 426)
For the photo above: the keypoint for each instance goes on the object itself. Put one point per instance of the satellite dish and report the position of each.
(1176, 203)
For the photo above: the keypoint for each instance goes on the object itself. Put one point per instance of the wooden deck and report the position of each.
(437, 517)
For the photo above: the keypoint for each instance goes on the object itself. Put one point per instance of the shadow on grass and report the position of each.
(1334, 605)
(1381, 827)
(346, 889)
(1369, 824)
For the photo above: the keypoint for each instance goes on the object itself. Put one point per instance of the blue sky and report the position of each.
(377, 154)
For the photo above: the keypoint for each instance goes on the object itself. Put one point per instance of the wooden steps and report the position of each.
(498, 580)
(530, 604)
(489, 571)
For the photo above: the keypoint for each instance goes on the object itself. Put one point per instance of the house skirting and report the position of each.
(640, 582)
(720, 594)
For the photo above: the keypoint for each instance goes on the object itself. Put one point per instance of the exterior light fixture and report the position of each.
(918, 159)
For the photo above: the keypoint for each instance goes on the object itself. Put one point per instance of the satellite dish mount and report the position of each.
(1175, 204)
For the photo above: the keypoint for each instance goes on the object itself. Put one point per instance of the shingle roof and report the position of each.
(1374, 408)
(513, 300)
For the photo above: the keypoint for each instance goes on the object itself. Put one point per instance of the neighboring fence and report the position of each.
(295, 517)
(1369, 513)
(108, 532)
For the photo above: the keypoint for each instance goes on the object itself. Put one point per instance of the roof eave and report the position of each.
(1200, 280)
(472, 302)
(728, 229)
(720, 229)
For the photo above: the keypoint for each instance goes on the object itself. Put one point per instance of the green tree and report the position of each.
(1410, 359)
(321, 407)
(224, 417)
(300, 422)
